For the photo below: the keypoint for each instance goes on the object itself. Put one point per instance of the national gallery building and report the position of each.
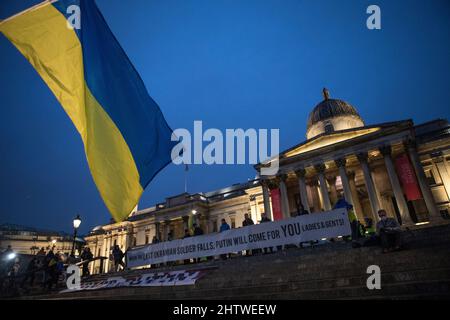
(398, 166)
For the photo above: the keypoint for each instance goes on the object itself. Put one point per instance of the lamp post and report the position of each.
(53, 244)
(76, 225)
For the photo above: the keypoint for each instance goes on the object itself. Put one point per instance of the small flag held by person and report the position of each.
(126, 139)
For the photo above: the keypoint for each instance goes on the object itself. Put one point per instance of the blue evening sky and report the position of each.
(232, 64)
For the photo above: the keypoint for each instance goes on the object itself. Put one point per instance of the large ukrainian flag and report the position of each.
(126, 138)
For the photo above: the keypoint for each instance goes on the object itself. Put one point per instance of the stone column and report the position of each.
(157, 231)
(323, 187)
(340, 163)
(386, 151)
(253, 208)
(333, 192)
(423, 183)
(185, 223)
(373, 198)
(355, 198)
(284, 197)
(109, 243)
(300, 173)
(105, 254)
(166, 230)
(313, 185)
(441, 167)
(266, 198)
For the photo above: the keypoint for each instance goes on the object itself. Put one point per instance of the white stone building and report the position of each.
(342, 156)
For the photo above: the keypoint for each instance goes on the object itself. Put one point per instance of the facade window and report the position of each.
(134, 241)
(329, 127)
(146, 239)
(430, 177)
(115, 242)
(445, 214)
(214, 223)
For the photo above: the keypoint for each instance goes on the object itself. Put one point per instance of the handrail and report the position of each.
(79, 264)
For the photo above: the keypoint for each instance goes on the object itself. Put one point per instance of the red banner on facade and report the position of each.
(407, 178)
(276, 204)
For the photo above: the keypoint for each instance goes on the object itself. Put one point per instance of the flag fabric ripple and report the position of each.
(127, 141)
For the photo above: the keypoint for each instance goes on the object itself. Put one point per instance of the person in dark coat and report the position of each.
(51, 272)
(118, 257)
(302, 211)
(47, 272)
(30, 273)
(265, 219)
(187, 235)
(389, 232)
(197, 230)
(224, 226)
(155, 240)
(86, 256)
(247, 222)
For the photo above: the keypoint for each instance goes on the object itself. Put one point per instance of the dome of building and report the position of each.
(332, 115)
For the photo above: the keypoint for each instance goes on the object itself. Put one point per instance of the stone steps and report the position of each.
(289, 284)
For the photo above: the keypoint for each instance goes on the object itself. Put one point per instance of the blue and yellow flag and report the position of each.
(126, 138)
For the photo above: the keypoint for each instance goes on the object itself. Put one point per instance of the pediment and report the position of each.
(328, 140)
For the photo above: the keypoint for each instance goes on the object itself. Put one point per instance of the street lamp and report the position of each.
(53, 243)
(76, 225)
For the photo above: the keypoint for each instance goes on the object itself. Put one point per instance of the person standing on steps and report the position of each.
(186, 235)
(247, 222)
(224, 227)
(118, 258)
(86, 257)
(265, 219)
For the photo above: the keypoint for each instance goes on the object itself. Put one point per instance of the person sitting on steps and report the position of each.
(389, 232)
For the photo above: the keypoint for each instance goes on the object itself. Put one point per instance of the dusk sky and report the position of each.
(232, 64)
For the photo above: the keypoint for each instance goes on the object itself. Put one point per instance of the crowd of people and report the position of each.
(386, 234)
(17, 277)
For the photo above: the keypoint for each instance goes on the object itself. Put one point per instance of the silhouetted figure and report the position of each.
(265, 219)
(198, 231)
(30, 273)
(187, 235)
(86, 257)
(247, 221)
(224, 227)
(389, 232)
(302, 211)
(51, 271)
(118, 258)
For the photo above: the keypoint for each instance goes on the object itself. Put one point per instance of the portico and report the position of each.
(343, 157)
(398, 166)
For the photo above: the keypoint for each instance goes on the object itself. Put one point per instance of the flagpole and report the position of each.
(36, 6)
(185, 177)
